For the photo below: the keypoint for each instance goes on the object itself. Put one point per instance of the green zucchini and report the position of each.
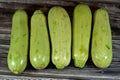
(60, 34)
(101, 39)
(82, 19)
(18, 51)
(39, 41)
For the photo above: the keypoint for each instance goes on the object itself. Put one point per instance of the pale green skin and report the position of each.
(101, 39)
(39, 41)
(82, 19)
(60, 33)
(17, 56)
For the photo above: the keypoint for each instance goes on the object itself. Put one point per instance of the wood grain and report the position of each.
(8, 7)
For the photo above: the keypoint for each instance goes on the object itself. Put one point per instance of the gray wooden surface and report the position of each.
(7, 8)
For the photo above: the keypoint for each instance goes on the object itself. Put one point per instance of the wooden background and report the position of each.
(7, 8)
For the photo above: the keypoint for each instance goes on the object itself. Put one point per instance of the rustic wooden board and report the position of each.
(7, 8)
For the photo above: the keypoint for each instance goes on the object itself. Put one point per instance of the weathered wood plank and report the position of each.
(7, 8)
(58, 1)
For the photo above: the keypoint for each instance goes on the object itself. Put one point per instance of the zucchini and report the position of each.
(60, 34)
(39, 41)
(82, 18)
(18, 51)
(101, 39)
